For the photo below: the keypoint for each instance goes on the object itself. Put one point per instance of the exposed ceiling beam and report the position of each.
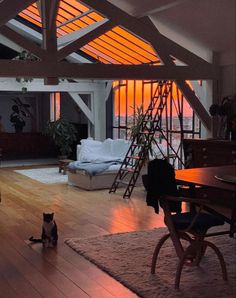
(194, 102)
(84, 108)
(164, 48)
(49, 31)
(77, 44)
(53, 13)
(37, 85)
(37, 37)
(9, 9)
(40, 69)
(162, 44)
(23, 42)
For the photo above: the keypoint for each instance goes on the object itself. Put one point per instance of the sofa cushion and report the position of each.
(96, 151)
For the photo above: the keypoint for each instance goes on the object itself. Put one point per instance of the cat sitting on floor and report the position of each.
(49, 231)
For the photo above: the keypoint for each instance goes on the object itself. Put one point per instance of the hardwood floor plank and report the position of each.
(5, 289)
(49, 271)
(78, 213)
(15, 280)
(91, 287)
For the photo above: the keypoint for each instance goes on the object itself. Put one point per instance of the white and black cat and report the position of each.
(49, 231)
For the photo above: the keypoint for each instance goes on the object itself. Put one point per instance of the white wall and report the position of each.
(228, 75)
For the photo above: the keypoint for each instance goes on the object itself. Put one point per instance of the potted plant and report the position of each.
(135, 128)
(63, 134)
(224, 113)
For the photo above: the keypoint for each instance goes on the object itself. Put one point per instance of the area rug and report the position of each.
(127, 258)
(44, 175)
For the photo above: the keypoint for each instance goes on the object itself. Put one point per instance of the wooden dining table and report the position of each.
(217, 178)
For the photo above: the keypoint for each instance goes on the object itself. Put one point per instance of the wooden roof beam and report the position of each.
(194, 101)
(23, 42)
(53, 13)
(164, 48)
(48, 15)
(161, 43)
(40, 69)
(9, 9)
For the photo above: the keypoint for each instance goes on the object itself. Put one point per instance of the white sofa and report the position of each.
(93, 151)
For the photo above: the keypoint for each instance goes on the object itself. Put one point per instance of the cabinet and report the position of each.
(26, 145)
(208, 152)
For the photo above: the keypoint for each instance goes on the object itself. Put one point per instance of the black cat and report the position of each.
(49, 231)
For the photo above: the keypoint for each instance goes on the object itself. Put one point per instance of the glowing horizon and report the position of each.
(131, 97)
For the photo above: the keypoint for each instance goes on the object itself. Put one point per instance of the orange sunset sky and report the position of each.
(135, 95)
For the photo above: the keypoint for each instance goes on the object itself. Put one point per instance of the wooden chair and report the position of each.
(189, 226)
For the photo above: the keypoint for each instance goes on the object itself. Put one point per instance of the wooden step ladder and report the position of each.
(140, 143)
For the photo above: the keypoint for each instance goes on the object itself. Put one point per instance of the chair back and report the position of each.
(161, 181)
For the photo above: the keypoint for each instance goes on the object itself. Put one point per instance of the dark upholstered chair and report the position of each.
(189, 226)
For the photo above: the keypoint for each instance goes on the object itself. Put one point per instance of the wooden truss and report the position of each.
(51, 67)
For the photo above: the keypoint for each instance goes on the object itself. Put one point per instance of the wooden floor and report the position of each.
(30, 271)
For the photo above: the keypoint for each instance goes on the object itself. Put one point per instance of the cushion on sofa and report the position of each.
(96, 151)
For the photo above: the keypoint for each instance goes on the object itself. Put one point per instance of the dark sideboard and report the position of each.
(209, 152)
(26, 145)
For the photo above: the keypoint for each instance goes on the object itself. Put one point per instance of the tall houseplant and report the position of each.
(134, 131)
(135, 128)
(63, 133)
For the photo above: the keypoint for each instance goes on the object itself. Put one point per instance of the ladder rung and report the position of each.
(156, 108)
(171, 155)
(122, 181)
(135, 157)
(137, 145)
(129, 170)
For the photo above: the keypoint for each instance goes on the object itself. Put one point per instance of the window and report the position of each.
(55, 106)
(177, 119)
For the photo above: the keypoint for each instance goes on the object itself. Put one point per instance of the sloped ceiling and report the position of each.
(211, 23)
(51, 66)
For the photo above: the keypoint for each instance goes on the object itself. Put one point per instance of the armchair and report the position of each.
(183, 227)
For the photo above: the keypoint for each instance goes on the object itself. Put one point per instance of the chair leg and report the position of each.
(187, 252)
(156, 252)
(199, 254)
(220, 257)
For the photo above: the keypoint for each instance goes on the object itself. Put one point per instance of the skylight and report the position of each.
(116, 46)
